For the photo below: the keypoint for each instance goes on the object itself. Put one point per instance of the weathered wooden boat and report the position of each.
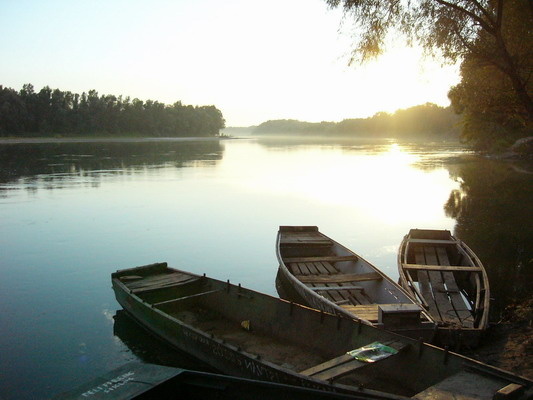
(332, 278)
(244, 333)
(445, 276)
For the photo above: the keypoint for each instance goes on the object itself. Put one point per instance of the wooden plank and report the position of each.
(162, 286)
(446, 310)
(334, 295)
(441, 268)
(342, 365)
(511, 391)
(423, 282)
(299, 241)
(328, 364)
(295, 269)
(359, 297)
(329, 267)
(465, 315)
(304, 269)
(158, 280)
(367, 311)
(341, 370)
(313, 268)
(339, 278)
(320, 258)
(326, 288)
(186, 297)
(320, 268)
(432, 241)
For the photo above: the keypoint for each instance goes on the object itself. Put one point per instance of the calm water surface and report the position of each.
(72, 213)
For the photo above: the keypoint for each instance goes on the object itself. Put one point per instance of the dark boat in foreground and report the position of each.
(445, 277)
(248, 334)
(332, 278)
(141, 381)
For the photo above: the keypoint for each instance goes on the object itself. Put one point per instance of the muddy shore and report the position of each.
(509, 343)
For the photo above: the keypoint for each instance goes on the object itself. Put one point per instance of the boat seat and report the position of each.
(339, 278)
(344, 364)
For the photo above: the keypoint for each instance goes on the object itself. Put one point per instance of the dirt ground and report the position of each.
(509, 344)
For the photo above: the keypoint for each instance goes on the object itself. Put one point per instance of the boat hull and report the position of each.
(449, 281)
(245, 333)
(382, 291)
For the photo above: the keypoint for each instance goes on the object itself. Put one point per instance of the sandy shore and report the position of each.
(110, 140)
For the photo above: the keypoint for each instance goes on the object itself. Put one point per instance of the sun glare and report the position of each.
(373, 185)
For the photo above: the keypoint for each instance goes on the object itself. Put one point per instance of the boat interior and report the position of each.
(444, 277)
(293, 337)
(339, 275)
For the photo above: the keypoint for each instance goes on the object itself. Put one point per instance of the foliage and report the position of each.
(428, 121)
(55, 112)
(494, 115)
(493, 37)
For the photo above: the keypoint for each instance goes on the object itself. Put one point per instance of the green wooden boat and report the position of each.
(244, 333)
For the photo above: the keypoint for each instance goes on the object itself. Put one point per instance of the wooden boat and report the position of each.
(244, 333)
(445, 276)
(332, 278)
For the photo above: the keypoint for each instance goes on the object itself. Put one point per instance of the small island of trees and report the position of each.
(53, 112)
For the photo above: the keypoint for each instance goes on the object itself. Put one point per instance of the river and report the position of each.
(72, 213)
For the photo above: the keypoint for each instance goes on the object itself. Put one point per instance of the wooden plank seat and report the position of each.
(186, 297)
(171, 280)
(339, 278)
(321, 258)
(441, 267)
(369, 312)
(339, 288)
(344, 364)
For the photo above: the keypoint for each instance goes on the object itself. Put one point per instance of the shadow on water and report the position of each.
(493, 210)
(150, 349)
(56, 163)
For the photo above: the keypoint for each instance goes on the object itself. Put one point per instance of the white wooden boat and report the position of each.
(332, 278)
(446, 278)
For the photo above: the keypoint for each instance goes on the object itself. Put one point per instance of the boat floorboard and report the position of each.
(268, 348)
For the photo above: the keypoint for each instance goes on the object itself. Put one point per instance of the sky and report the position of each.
(254, 60)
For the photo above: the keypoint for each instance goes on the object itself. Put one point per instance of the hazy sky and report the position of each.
(254, 60)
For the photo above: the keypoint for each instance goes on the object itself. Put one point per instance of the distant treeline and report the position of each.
(52, 112)
(428, 120)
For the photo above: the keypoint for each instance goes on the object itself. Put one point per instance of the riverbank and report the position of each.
(509, 344)
(111, 139)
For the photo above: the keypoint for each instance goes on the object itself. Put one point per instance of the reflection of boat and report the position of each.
(244, 333)
(330, 277)
(151, 349)
(448, 279)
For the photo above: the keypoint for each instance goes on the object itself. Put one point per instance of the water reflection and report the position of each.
(149, 349)
(62, 165)
(493, 209)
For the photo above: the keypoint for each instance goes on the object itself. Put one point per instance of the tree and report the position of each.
(449, 27)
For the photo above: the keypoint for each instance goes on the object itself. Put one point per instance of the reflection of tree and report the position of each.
(494, 214)
(55, 163)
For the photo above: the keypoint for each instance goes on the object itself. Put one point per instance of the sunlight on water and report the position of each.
(77, 212)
